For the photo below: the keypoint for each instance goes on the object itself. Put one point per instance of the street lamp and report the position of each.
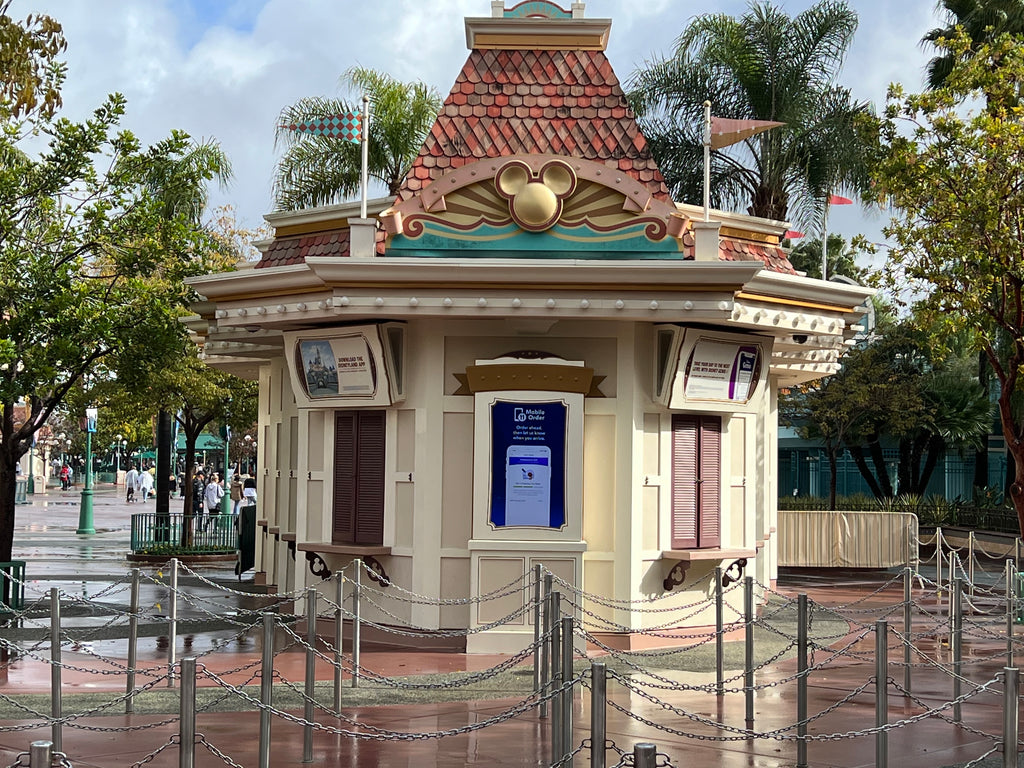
(85, 514)
(117, 457)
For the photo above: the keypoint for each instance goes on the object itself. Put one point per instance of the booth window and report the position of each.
(696, 481)
(359, 478)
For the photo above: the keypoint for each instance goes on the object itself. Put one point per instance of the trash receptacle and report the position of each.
(12, 586)
(246, 539)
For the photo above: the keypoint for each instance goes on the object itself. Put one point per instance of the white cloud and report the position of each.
(225, 71)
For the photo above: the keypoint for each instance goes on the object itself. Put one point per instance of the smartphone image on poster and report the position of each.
(743, 373)
(528, 485)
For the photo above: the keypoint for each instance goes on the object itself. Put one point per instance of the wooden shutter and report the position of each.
(696, 481)
(345, 451)
(684, 481)
(709, 514)
(369, 522)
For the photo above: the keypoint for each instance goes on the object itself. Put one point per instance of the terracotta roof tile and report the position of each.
(563, 102)
(294, 250)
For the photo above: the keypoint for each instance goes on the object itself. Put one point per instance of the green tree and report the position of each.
(842, 260)
(764, 65)
(90, 267)
(32, 73)
(952, 172)
(319, 170)
(980, 20)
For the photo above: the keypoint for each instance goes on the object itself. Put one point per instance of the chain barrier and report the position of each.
(57, 760)
(153, 755)
(513, 587)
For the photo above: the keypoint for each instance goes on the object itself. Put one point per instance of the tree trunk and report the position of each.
(881, 471)
(936, 450)
(981, 456)
(857, 452)
(833, 474)
(8, 488)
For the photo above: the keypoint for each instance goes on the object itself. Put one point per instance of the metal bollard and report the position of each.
(719, 632)
(310, 689)
(133, 643)
(1011, 706)
(748, 655)
(801, 680)
(356, 621)
(1011, 612)
(645, 755)
(40, 754)
(172, 626)
(266, 689)
(908, 626)
(567, 675)
(339, 636)
(537, 575)
(881, 694)
(958, 640)
(598, 713)
(545, 651)
(938, 562)
(187, 715)
(556, 680)
(56, 730)
(970, 563)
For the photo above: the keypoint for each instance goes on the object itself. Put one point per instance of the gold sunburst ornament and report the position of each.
(535, 200)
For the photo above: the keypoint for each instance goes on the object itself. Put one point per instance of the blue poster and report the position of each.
(528, 464)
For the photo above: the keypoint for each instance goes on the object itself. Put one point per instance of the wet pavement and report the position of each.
(87, 566)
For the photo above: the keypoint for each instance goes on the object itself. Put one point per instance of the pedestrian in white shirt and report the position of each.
(212, 495)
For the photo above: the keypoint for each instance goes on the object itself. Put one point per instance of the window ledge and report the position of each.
(288, 537)
(328, 548)
(695, 555)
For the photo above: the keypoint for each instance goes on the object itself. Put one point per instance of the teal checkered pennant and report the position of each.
(345, 126)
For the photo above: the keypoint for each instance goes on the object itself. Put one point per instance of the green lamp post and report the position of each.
(85, 513)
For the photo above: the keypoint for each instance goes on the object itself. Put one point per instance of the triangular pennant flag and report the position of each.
(726, 131)
(345, 126)
(792, 234)
(837, 200)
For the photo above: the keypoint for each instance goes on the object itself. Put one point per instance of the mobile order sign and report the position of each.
(528, 464)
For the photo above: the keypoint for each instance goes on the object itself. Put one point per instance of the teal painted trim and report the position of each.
(575, 242)
(541, 255)
(537, 8)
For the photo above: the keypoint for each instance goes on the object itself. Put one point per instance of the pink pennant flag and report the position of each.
(726, 131)
(837, 200)
(792, 234)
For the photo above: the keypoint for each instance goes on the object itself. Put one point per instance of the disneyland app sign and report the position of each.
(340, 366)
(723, 371)
(528, 464)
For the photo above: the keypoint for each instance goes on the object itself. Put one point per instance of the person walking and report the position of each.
(198, 489)
(131, 479)
(65, 477)
(213, 494)
(236, 493)
(145, 484)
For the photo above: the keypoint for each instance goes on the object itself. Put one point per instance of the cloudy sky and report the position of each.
(224, 68)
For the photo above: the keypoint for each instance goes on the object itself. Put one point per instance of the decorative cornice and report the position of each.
(537, 34)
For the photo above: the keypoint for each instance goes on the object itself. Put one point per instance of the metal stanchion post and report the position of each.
(801, 680)
(881, 694)
(567, 675)
(356, 620)
(339, 627)
(748, 643)
(556, 680)
(266, 689)
(1016, 554)
(719, 630)
(40, 754)
(908, 626)
(56, 730)
(133, 643)
(1011, 612)
(1011, 707)
(938, 562)
(545, 650)
(598, 713)
(537, 573)
(970, 563)
(187, 715)
(172, 624)
(958, 638)
(310, 689)
(645, 755)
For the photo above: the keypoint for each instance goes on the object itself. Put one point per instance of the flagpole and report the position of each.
(365, 154)
(824, 244)
(707, 160)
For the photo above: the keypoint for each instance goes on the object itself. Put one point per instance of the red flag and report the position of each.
(837, 200)
(792, 234)
(726, 131)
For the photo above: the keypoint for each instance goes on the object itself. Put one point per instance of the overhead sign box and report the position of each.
(360, 365)
(701, 370)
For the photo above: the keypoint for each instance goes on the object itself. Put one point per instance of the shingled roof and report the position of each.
(509, 102)
(294, 250)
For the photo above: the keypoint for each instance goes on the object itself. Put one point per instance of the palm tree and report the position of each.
(842, 260)
(981, 20)
(181, 184)
(318, 170)
(761, 66)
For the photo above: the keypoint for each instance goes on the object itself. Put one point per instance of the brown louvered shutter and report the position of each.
(369, 522)
(709, 505)
(345, 453)
(684, 481)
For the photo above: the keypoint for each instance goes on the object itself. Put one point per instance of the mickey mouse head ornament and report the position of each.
(535, 201)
